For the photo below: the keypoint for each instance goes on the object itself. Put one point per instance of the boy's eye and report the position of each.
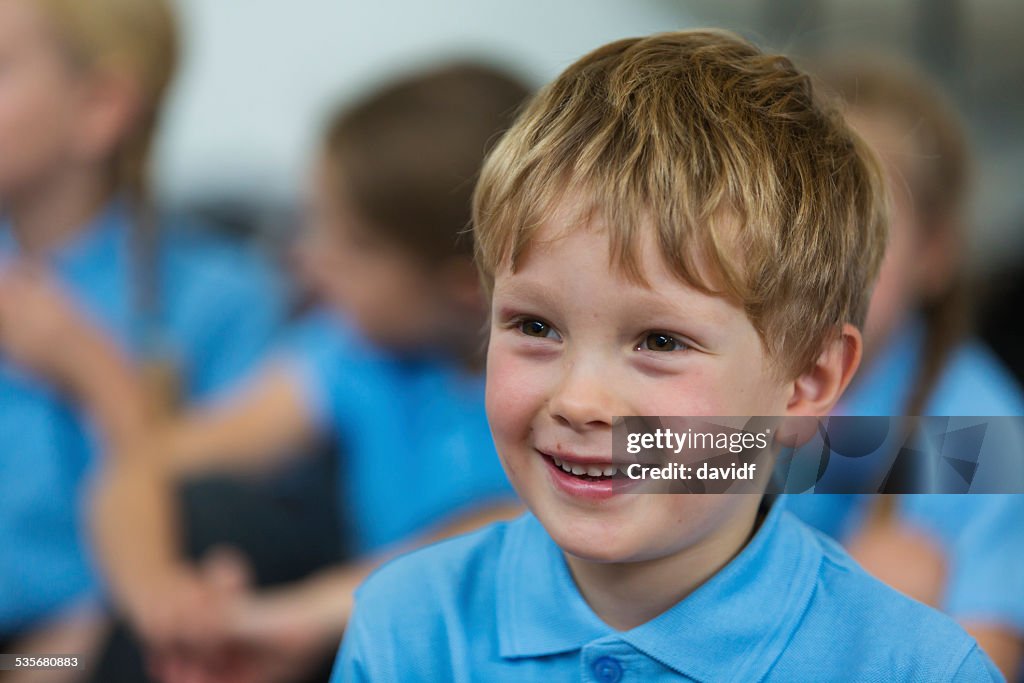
(534, 328)
(657, 341)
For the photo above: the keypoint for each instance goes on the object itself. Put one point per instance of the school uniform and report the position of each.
(980, 533)
(411, 431)
(217, 309)
(500, 604)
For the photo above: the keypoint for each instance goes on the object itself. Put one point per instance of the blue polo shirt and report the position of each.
(218, 309)
(412, 431)
(501, 605)
(981, 534)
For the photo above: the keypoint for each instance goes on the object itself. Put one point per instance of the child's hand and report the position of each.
(186, 627)
(255, 637)
(41, 328)
(275, 639)
(184, 610)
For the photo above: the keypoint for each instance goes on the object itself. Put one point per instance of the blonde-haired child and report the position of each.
(921, 360)
(390, 369)
(81, 90)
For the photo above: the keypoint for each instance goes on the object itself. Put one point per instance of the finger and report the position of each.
(227, 569)
(188, 667)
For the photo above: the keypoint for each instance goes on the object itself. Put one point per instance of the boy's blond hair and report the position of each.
(755, 188)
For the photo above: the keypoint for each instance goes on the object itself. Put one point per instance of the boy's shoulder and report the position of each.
(427, 615)
(871, 629)
(441, 570)
(438, 609)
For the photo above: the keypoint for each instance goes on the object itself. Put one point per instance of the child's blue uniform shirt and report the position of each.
(219, 307)
(412, 432)
(973, 382)
(981, 533)
(501, 605)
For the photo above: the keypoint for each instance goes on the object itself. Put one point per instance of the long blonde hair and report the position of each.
(138, 38)
(938, 177)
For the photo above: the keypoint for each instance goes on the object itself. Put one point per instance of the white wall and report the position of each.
(260, 75)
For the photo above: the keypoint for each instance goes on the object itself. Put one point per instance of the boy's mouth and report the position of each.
(592, 472)
(590, 479)
(581, 468)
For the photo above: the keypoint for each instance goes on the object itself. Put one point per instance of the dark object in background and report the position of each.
(287, 528)
(1000, 323)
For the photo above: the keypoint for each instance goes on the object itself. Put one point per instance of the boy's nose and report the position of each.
(584, 399)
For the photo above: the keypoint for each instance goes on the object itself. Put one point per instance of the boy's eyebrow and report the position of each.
(698, 308)
(522, 288)
(698, 314)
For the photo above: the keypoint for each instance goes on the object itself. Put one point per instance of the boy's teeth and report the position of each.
(588, 470)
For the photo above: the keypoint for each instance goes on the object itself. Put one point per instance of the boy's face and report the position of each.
(575, 343)
(391, 296)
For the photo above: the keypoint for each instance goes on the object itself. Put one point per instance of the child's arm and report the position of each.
(325, 601)
(303, 622)
(134, 512)
(134, 508)
(254, 427)
(1003, 646)
(42, 329)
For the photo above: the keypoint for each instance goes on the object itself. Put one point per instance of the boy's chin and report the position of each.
(597, 555)
(597, 541)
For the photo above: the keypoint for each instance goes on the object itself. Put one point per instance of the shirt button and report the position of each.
(607, 669)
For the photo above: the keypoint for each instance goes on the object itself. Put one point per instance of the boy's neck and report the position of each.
(51, 213)
(627, 594)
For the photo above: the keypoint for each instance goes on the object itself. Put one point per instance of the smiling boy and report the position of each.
(675, 226)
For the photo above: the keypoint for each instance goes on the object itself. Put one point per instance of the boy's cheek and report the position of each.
(690, 394)
(743, 387)
(512, 392)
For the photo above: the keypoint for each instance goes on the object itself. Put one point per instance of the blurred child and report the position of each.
(393, 370)
(81, 87)
(919, 360)
(675, 226)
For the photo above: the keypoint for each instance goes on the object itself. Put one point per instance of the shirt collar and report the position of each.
(731, 628)
(94, 243)
(540, 611)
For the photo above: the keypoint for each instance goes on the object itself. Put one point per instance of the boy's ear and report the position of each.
(817, 390)
(110, 106)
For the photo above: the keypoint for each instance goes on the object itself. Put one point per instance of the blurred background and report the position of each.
(257, 82)
(260, 81)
